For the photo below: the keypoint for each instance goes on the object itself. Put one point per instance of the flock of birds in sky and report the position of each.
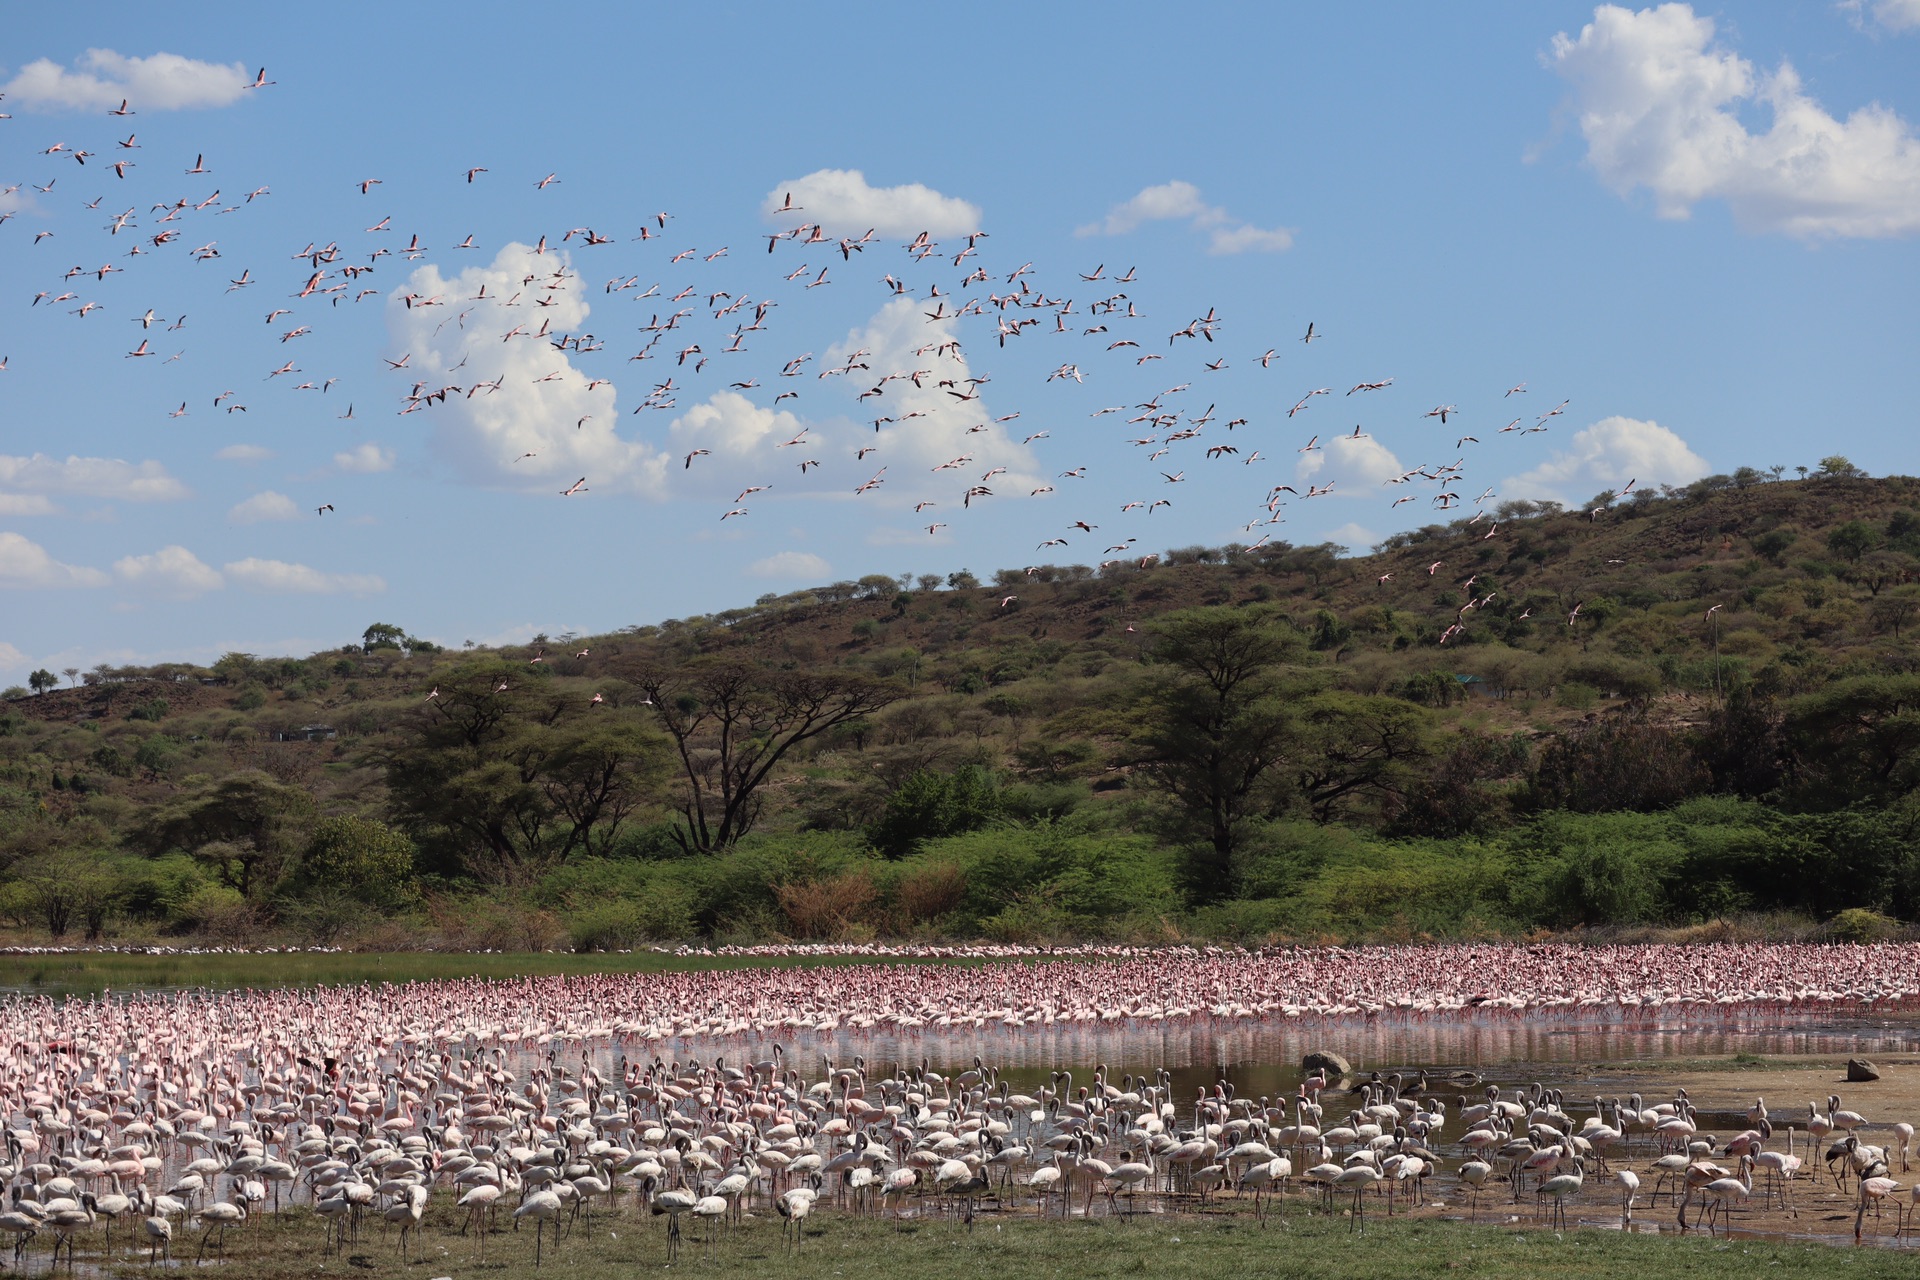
(700, 332)
(554, 1099)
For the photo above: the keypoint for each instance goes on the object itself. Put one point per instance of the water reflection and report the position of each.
(1261, 1058)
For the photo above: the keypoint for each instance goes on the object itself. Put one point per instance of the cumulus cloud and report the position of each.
(1361, 465)
(1659, 105)
(544, 406)
(842, 203)
(263, 506)
(93, 477)
(11, 659)
(25, 504)
(929, 427)
(790, 564)
(24, 563)
(100, 78)
(365, 459)
(244, 453)
(298, 579)
(1181, 202)
(731, 425)
(170, 571)
(1893, 15)
(1607, 455)
(1353, 536)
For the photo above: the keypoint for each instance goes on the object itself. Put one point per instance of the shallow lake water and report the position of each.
(1262, 1058)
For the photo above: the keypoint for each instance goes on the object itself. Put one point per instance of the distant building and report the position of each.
(306, 733)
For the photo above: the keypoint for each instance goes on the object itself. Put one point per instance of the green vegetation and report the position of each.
(1214, 1243)
(92, 972)
(1698, 711)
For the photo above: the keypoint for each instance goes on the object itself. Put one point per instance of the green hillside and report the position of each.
(1672, 709)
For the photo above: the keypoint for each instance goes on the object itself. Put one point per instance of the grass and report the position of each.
(89, 973)
(1201, 1246)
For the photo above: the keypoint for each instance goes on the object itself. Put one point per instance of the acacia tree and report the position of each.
(245, 825)
(1361, 750)
(1219, 722)
(503, 775)
(732, 722)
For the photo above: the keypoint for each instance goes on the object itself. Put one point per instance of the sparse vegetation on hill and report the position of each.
(1672, 708)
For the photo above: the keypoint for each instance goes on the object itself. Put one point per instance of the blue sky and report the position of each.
(1696, 227)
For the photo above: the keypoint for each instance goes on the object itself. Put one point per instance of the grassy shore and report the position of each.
(1203, 1246)
(90, 972)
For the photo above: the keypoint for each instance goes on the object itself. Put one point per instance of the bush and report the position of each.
(1857, 924)
(929, 891)
(1575, 696)
(220, 913)
(623, 925)
(827, 910)
(366, 860)
(929, 805)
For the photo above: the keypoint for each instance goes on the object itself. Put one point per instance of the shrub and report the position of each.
(367, 860)
(220, 913)
(1857, 924)
(1575, 696)
(826, 910)
(929, 805)
(929, 891)
(622, 925)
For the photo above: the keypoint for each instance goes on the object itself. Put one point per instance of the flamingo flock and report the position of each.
(715, 332)
(540, 1096)
(546, 1101)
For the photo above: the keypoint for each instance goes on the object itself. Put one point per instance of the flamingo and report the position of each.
(407, 1214)
(1727, 1192)
(794, 1207)
(1560, 1188)
(1872, 1191)
(218, 1217)
(1359, 1178)
(543, 1207)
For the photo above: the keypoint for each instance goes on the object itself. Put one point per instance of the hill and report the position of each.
(1526, 718)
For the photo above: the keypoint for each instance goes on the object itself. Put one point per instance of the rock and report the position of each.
(1860, 1071)
(1326, 1059)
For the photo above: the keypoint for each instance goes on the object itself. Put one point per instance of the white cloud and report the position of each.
(279, 576)
(100, 78)
(790, 564)
(842, 203)
(1893, 15)
(365, 459)
(1607, 455)
(11, 659)
(263, 506)
(244, 453)
(1360, 465)
(911, 447)
(1353, 536)
(731, 425)
(26, 564)
(172, 571)
(570, 428)
(1659, 107)
(94, 477)
(25, 504)
(1180, 201)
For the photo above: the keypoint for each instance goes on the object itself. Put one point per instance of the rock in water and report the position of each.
(1334, 1064)
(1860, 1071)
